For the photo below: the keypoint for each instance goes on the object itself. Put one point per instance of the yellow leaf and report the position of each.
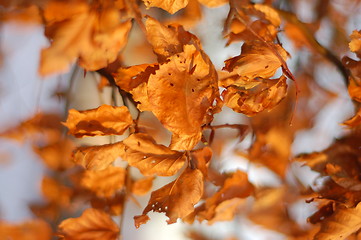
(104, 120)
(93, 224)
(142, 152)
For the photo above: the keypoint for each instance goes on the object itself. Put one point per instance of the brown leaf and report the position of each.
(79, 31)
(104, 183)
(36, 229)
(213, 3)
(251, 102)
(176, 199)
(341, 224)
(355, 43)
(201, 158)
(92, 224)
(113, 205)
(104, 120)
(142, 152)
(171, 6)
(98, 157)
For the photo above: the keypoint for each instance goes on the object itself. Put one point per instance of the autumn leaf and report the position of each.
(256, 60)
(79, 31)
(131, 77)
(342, 223)
(142, 186)
(57, 156)
(186, 83)
(142, 152)
(36, 229)
(113, 205)
(98, 157)
(92, 224)
(104, 120)
(171, 6)
(176, 199)
(104, 183)
(236, 186)
(251, 102)
(41, 126)
(355, 43)
(55, 192)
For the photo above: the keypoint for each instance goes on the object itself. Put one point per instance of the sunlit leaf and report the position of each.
(104, 120)
(92, 224)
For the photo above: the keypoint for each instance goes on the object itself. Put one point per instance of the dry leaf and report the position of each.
(342, 223)
(92, 224)
(142, 186)
(113, 205)
(57, 156)
(104, 120)
(55, 192)
(36, 229)
(104, 183)
(142, 152)
(98, 157)
(79, 31)
(251, 102)
(256, 60)
(176, 199)
(171, 6)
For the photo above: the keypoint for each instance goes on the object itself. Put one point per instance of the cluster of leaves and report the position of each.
(184, 91)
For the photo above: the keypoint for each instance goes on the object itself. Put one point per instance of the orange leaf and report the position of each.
(104, 120)
(250, 103)
(79, 31)
(142, 186)
(92, 224)
(181, 94)
(235, 186)
(171, 6)
(55, 192)
(142, 152)
(104, 183)
(256, 60)
(176, 199)
(98, 157)
(342, 223)
(57, 156)
(36, 229)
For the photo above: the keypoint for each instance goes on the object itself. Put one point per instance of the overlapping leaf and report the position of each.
(104, 183)
(36, 229)
(98, 157)
(80, 31)
(92, 224)
(251, 102)
(176, 199)
(142, 152)
(104, 120)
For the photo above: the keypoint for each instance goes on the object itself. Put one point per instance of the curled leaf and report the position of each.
(98, 157)
(104, 120)
(176, 199)
(92, 224)
(142, 152)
